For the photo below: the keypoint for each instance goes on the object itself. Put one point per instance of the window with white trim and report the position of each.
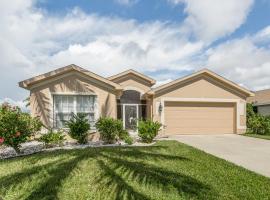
(65, 105)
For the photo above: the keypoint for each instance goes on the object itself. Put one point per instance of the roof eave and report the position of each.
(22, 84)
(131, 71)
(26, 84)
(262, 104)
(236, 86)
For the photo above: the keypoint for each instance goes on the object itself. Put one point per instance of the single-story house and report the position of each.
(261, 102)
(201, 103)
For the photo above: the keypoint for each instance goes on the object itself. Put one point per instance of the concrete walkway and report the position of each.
(251, 153)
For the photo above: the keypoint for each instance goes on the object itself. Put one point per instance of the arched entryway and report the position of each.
(131, 107)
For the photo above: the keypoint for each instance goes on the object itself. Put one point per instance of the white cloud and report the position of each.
(209, 20)
(243, 61)
(34, 42)
(126, 2)
(138, 46)
(175, 1)
(20, 104)
(263, 35)
(161, 82)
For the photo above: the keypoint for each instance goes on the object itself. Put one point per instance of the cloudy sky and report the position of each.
(165, 39)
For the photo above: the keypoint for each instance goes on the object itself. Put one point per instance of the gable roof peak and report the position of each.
(54, 73)
(134, 72)
(198, 73)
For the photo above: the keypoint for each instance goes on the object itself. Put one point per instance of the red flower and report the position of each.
(1, 140)
(17, 134)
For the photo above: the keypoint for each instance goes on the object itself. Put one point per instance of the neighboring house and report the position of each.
(201, 103)
(261, 101)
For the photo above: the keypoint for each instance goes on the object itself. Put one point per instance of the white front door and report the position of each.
(130, 116)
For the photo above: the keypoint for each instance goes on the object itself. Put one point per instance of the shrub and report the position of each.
(250, 111)
(111, 130)
(256, 123)
(15, 126)
(53, 138)
(148, 130)
(108, 129)
(78, 127)
(128, 140)
(124, 135)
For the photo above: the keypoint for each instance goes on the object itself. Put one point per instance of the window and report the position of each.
(142, 112)
(119, 111)
(65, 105)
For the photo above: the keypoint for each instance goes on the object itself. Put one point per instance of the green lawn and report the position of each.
(266, 137)
(167, 170)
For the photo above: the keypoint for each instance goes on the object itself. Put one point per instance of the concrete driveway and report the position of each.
(251, 153)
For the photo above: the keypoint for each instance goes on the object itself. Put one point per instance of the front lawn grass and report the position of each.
(266, 137)
(167, 170)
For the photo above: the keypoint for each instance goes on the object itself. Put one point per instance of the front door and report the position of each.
(130, 117)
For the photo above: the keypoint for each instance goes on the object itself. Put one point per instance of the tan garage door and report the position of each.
(199, 118)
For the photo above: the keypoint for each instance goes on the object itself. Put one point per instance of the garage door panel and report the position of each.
(199, 118)
(198, 131)
(195, 116)
(203, 123)
(198, 104)
(197, 108)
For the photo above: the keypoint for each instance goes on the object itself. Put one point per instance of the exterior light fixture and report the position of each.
(160, 108)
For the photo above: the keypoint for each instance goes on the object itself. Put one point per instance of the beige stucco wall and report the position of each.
(264, 110)
(131, 81)
(41, 101)
(202, 87)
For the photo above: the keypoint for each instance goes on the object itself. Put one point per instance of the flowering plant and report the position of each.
(15, 126)
(2, 140)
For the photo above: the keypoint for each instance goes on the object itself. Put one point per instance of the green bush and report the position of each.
(78, 127)
(128, 140)
(250, 111)
(124, 135)
(16, 127)
(53, 138)
(148, 130)
(111, 130)
(256, 123)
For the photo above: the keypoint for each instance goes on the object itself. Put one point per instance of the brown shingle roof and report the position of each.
(262, 97)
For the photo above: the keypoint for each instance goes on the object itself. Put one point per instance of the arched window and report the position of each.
(130, 96)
